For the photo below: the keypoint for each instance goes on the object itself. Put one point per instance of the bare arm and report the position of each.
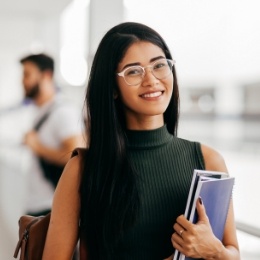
(62, 234)
(214, 161)
(58, 156)
(197, 240)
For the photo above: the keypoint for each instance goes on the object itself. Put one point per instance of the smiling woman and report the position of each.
(144, 91)
(129, 188)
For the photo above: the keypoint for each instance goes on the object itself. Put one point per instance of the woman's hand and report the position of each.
(196, 240)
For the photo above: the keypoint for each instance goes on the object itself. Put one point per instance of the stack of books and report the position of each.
(215, 190)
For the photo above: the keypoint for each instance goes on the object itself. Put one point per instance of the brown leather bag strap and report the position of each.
(83, 252)
(79, 151)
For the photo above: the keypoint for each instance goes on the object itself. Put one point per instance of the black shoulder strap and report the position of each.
(40, 122)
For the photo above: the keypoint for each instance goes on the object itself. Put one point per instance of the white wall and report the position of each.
(19, 36)
(215, 43)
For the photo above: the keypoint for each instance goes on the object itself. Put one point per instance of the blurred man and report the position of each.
(57, 131)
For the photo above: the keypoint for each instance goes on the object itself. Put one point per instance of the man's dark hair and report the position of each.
(42, 61)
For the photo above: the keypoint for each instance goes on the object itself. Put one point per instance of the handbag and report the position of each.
(33, 231)
(32, 235)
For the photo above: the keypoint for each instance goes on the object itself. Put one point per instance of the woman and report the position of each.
(132, 183)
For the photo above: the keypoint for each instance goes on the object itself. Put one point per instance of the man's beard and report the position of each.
(33, 92)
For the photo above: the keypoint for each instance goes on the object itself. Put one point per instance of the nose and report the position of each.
(149, 79)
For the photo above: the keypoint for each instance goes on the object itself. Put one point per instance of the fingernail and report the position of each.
(200, 201)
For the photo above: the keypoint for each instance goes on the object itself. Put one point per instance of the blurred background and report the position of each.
(216, 48)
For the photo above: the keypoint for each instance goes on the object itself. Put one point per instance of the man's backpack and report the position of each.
(52, 172)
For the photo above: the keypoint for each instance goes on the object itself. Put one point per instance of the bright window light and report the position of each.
(73, 64)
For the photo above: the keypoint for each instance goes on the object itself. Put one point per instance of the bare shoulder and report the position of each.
(64, 224)
(66, 201)
(71, 176)
(67, 192)
(214, 161)
(72, 168)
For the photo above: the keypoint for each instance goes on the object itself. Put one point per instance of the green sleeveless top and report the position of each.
(165, 165)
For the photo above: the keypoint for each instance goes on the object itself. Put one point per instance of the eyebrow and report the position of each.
(138, 63)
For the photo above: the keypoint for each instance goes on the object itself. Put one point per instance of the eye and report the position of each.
(160, 65)
(134, 71)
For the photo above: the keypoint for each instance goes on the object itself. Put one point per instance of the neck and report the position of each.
(145, 122)
(46, 95)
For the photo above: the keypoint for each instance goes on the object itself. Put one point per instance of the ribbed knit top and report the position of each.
(165, 165)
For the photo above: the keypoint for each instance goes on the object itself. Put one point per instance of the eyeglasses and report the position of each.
(134, 75)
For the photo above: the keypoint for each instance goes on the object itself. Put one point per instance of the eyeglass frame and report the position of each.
(122, 73)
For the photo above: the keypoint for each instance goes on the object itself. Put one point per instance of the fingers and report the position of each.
(178, 229)
(181, 231)
(202, 216)
(177, 242)
(192, 239)
(183, 223)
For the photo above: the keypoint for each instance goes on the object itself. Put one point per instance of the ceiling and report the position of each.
(31, 7)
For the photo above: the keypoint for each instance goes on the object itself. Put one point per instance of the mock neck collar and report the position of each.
(148, 138)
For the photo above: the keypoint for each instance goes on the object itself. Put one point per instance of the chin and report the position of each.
(156, 112)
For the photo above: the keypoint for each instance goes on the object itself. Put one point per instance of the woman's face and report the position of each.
(147, 101)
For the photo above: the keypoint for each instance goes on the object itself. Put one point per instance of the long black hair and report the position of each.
(109, 193)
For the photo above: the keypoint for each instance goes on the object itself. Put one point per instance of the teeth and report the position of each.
(150, 95)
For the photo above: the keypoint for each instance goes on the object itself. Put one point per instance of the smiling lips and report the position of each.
(152, 95)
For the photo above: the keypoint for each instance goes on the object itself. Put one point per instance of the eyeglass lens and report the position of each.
(160, 69)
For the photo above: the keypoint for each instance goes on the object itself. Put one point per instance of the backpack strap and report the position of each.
(40, 122)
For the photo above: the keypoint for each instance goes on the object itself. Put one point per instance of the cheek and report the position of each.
(30, 80)
(171, 80)
(27, 83)
(124, 92)
(169, 83)
(126, 97)
(130, 100)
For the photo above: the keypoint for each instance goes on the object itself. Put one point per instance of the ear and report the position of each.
(48, 74)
